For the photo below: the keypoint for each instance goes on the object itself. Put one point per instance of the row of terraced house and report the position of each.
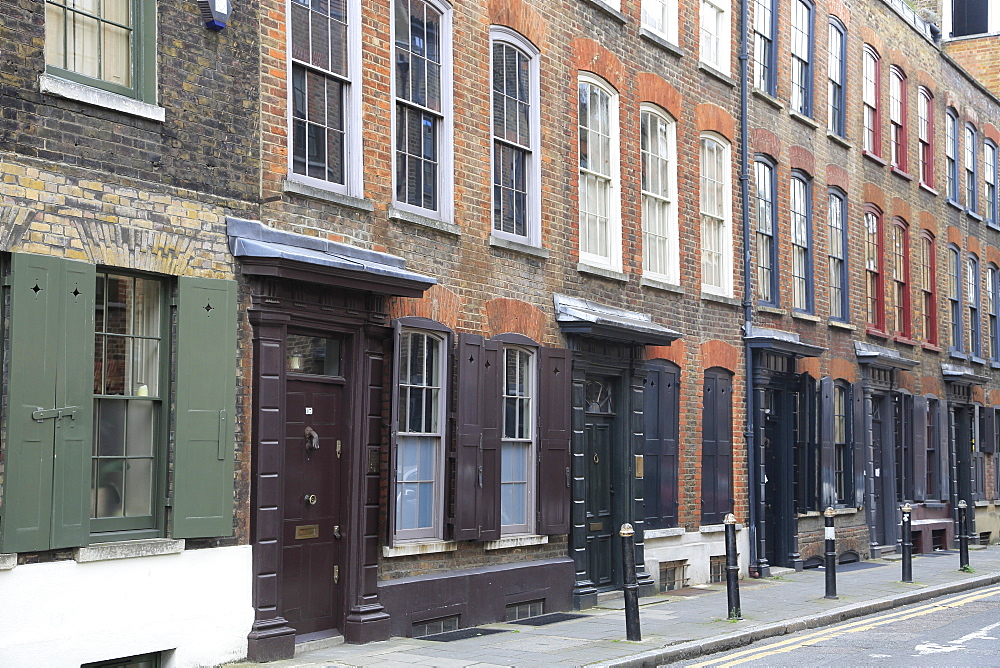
(381, 318)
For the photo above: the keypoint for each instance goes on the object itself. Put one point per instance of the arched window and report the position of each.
(897, 118)
(972, 293)
(925, 134)
(951, 153)
(874, 297)
(955, 298)
(716, 216)
(928, 287)
(838, 277)
(900, 250)
(837, 77)
(971, 168)
(871, 92)
(658, 133)
(767, 229)
(801, 229)
(600, 191)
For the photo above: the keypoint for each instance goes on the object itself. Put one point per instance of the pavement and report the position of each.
(676, 626)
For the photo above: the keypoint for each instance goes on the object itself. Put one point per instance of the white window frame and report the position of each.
(871, 71)
(533, 169)
(435, 531)
(726, 252)
(665, 13)
(446, 136)
(528, 527)
(354, 185)
(672, 233)
(722, 32)
(614, 259)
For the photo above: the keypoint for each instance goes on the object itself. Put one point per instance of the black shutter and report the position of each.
(969, 17)
(397, 340)
(464, 457)
(717, 447)
(554, 429)
(919, 448)
(988, 439)
(660, 416)
(491, 398)
(860, 437)
(828, 451)
(945, 438)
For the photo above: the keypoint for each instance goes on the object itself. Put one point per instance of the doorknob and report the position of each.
(336, 531)
(309, 499)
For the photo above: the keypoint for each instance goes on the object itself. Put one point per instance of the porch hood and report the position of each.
(586, 318)
(762, 338)
(963, 375)
(265, 251)
(869, 353)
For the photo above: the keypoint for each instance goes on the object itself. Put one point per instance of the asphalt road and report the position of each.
(957, 630)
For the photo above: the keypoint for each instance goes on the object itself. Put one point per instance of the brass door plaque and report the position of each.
(640, 468)
(307, 531)
(597, 526)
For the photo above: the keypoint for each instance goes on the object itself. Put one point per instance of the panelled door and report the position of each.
(599, 438)
(883, 495)
(779, 516)
(311, 535)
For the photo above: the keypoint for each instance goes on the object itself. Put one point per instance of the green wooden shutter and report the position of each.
(74, 390)
(47, 470)
(206, 408)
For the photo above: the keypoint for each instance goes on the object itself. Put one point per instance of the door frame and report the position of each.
(280, 306)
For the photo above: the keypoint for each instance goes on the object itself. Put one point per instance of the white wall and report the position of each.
(197, 602)
(694, 546)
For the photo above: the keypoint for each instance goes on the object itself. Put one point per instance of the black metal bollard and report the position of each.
(631, 589)
(907, 544)
(732, 569)
(831, 553)
(963, 535)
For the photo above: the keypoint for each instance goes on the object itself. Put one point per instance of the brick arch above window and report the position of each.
(800, 158)
(839, 11)
(518, 15)
(993, 255)
(974, 246)
(713, 118)
(932, 385)
(901, 208)
(654, 88)
(676, 352)
(843, 369)
(516, 316)
(923, 78)
(438, 303)
(928, 222)
(990, 132)
(873, 40)
(809, 366)
(955, 236)
(872, 193)
(590, 56)
(838, 177)
(716, 353)
(766, 142)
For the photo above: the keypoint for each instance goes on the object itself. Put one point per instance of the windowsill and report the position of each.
(607, 9)
(720, 299)
(519, 247)
(994, 364)
(767, 97)
(935, 504)
(717, 528)
(424, 547)
(877, 333)
(508, 542)
(802, 118)
(602, 272)
(652, 534)
(52, 85)
(661, 42)
(774, 310)
(953, 203)
(661, 285)
(837, 139)
(849, 510)
(993, 224)
(958, 355)
(975, 359)
(902, 174)
(128, 549)
(424, 221)
(8, 561)
(721, 76)
(905, 340)
(931, 347)
(808, 317)
(982, 503)
(296, 187)
(926, 188)
(874, 158)
(840, 324)
(974, 215)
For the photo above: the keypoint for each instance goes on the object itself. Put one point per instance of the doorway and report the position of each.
(599, 461)
(779, 503)
(311, 526)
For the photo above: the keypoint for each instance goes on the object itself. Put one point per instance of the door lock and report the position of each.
(309, 499)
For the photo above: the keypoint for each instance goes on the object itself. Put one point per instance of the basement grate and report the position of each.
(551, 618)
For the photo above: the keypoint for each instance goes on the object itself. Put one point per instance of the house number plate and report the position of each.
(307, 531)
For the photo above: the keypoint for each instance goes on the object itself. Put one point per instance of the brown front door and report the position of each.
(311, 546)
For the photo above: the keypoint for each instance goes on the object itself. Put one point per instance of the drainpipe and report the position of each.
(749, 434)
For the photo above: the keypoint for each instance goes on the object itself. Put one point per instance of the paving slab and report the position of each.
(675, 626)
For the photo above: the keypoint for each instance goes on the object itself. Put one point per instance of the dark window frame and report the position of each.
(837, 200)
(974, 285)
(971, 170)
(806, 65)
(837, 91)
(770, 47)
(773, 256)
(803, 245)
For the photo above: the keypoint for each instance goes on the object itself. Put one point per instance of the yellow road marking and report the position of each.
(850, 627)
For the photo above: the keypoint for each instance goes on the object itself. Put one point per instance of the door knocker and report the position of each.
(312, 440)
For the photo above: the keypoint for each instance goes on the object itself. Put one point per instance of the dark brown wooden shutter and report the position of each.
(919, 448)
(554, 430)
(660, 421)
(988, 439)
(859, 436)
(491, 399)
(828, 451)
(944, 439)
(393, 475)
(464, 457)
(717, 447)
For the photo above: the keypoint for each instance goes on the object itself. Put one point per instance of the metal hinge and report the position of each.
(54, 413)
